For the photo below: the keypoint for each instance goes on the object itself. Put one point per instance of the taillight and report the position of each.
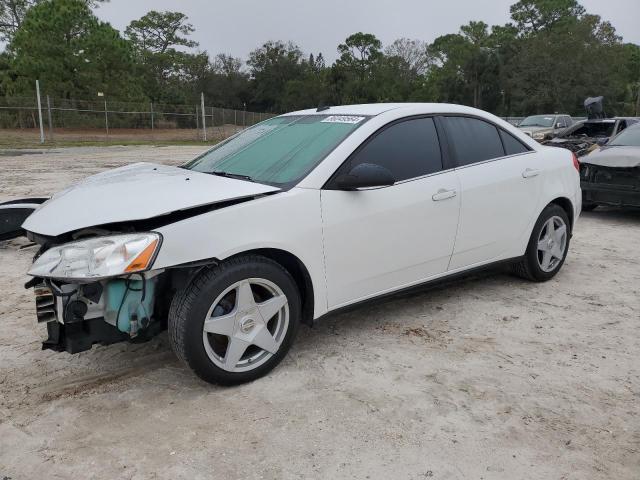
(576, 162)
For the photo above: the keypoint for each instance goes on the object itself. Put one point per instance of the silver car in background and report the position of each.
(545, 127)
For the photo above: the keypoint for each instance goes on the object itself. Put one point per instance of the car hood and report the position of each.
(136, 192)
(621, 157)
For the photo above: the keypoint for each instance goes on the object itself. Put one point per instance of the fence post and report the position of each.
(197, 119)
(204, 119)
(39, 111)
(152, 118)
(106, 119)
(50, 120)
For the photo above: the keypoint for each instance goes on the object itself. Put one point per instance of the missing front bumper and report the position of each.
(81, 336)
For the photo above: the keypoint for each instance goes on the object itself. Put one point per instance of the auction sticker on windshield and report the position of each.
(342, 119)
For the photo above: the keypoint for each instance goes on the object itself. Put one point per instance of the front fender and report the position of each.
(289, 221)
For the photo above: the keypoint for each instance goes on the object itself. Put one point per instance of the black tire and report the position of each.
(528, 267)
(190, 305)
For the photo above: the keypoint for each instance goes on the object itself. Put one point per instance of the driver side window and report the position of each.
(408, 149)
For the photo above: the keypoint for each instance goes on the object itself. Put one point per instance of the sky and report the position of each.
(238, 26)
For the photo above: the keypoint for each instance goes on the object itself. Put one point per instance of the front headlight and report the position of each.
(539, 136)
(99, 257)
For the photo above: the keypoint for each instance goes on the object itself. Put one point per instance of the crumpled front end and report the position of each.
(613, 186)
(80, 315)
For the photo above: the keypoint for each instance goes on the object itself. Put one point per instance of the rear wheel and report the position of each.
(235, 322)
(548, 246)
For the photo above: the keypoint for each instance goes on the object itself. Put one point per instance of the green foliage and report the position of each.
(550, 57)
(158, 31)
(12, 13)
(168, 75)
(72, 53)
(272, 67)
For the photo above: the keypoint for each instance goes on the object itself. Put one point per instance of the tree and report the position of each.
(354, 71)
(272, 66)
(73, 54)
(156, 32)
(533, 16)
(226, 84)
(556, 72)
(12, 13)
(162, 67)
(413, 54)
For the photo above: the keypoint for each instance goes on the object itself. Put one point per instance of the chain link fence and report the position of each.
(77, 121)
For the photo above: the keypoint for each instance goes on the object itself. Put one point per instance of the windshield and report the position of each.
(598, 129)
(537, 121)
(628, 138)
(278, 151)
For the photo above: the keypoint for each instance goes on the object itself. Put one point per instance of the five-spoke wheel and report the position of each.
(246, 324)
(552, 243)
(235, 321)
(548, 245)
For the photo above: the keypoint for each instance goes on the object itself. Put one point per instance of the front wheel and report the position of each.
(548, 246)
(236, 321)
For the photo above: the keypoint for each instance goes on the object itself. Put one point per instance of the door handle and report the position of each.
(443, 194)
(529, 172)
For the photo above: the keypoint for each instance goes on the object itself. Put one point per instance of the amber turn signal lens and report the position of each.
(141, 262)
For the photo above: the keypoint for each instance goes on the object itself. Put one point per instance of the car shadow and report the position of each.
(622, 214)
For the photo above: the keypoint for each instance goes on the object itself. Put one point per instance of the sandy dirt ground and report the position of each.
(487, 378)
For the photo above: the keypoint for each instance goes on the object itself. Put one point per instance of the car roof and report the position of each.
(373, 109)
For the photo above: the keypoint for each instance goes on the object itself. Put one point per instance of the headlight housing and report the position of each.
(539, 136)
(99, 257)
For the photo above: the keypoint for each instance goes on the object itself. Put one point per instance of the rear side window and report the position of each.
(512, 146)
(407, 149)
(473, 140)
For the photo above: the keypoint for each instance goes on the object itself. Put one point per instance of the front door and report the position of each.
(379, 240)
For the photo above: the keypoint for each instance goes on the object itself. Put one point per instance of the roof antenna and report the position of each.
(322, 107)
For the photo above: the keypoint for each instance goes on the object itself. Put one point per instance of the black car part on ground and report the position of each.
(607, 185)
(14, 213)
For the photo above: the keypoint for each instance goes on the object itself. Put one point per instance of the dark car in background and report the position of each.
(611, 175)
(583, 137)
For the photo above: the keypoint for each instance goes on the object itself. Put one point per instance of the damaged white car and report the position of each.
(294, 218)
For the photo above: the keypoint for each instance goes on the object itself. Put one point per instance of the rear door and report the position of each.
(499, 183)
(378, 240)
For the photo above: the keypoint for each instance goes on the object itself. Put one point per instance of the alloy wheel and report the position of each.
(246, 325)
(552, 243)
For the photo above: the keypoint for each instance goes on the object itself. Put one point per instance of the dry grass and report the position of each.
(30, 138)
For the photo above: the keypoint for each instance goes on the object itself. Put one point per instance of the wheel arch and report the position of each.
(298, 271)
(567, 206)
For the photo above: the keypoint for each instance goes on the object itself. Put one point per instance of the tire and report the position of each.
(536, 265)
(235, 321)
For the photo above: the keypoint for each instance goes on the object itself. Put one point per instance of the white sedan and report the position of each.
(301, 215)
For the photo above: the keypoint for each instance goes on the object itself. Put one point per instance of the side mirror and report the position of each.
(559, 125)
(365, 175)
